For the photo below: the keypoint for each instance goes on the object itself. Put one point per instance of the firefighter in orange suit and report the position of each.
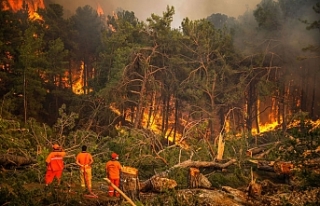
(54, 164)
(85, 160)
(113, 168)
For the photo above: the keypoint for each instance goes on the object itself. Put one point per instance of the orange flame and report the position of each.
(30, 5)
(99, 10)
(77, 86)
(151, 123)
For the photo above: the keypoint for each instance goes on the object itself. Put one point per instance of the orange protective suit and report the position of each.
(55, 166)
(85, 159)
(113, 168)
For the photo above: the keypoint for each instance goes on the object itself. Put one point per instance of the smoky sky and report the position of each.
(193, 9)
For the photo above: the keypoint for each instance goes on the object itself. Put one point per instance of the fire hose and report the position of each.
(118, 190)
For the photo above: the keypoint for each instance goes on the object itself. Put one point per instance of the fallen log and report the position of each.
(266, 152)
(15, 160)
(239, 195)
(157, 184)
(253, 151)
(198, 164)
(279, 167)
(261, 149)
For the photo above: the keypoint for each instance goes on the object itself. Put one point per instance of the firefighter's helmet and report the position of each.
(114, 155)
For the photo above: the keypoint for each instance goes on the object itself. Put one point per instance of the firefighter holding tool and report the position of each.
(85, 160)
(55, 164)
(113, 169)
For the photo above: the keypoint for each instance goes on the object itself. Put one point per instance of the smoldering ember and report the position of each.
(160, 102)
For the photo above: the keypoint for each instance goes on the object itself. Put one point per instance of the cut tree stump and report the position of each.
(194, 177)
(198, 180)
(281, 167)
(130, 182)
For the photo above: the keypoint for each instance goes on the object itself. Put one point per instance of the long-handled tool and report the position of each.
(122, 193)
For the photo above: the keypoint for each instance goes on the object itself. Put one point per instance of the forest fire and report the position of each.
(29, 5)
(153, 123)
(264, 128)
(99, 10)
(77, 81)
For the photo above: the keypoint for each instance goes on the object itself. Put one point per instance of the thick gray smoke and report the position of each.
(194, 9)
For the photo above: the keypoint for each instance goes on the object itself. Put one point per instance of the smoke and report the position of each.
(193, 9)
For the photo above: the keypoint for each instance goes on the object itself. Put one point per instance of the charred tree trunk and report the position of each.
(304, 91)
(256, 115)
(176, 119)
(139, 112)
(152, 110)
(313, 100)
(250, 103)
(164, 114)
(282, 110)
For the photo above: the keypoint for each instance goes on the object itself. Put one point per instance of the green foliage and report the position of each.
(268, 14)
(19, 194)
(236, 147)
(195, 65)
(309, 178)
(65, 122)
(170, 198)
(181, 176)
(235, 179)
(14, 137)
(136, 151)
